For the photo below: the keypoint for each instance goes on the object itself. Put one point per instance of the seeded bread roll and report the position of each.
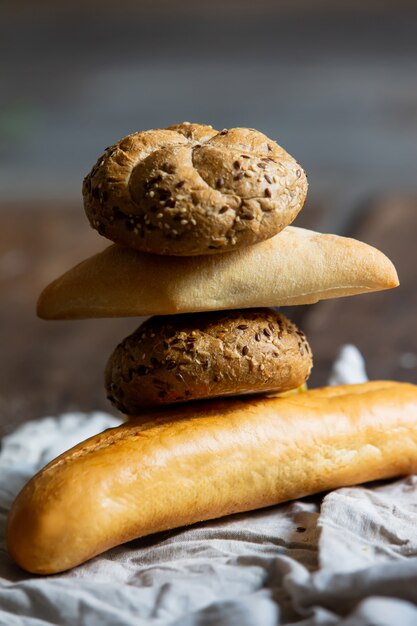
(200, 461)
(189, 190)
(188, 357)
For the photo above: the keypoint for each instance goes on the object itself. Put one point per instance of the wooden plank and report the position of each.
(382, 325)
(48, 367)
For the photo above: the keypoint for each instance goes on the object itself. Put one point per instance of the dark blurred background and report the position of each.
(334, 83)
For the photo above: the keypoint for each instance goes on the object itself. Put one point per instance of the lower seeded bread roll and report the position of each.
(177, 358)
(200, 462)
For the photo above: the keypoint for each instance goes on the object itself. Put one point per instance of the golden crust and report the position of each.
(190, 190)
(207, 460)
(204, 355)
(296, 266)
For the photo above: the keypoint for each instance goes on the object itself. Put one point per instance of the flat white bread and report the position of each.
(206, 460)
(296, 266)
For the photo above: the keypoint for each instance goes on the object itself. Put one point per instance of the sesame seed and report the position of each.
(174, 232)
(262, 367)
(184, 222)
(159, 215)
(151, 194)
(167, 226)
(193, 222)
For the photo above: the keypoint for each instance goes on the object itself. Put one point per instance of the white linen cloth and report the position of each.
(347, 557)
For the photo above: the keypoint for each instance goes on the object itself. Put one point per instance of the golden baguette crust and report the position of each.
(297, 266)
(203, 461)
(189, 189)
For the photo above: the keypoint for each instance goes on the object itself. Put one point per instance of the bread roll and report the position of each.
(296, 266)
(202, 461)
(189, 189)
(203, 355)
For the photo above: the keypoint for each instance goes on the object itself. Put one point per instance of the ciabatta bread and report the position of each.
(296, 266)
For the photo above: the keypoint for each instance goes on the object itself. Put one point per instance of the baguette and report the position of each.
(297, 266)
(203, 461)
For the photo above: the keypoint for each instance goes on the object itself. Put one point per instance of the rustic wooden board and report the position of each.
(382, 325)
(48, 367)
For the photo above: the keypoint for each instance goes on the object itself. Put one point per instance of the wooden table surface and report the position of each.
(51, 367)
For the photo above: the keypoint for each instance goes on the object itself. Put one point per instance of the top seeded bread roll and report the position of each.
(188, 190)
(296, 266)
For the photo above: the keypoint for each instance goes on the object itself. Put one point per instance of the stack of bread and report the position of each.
(200, 221)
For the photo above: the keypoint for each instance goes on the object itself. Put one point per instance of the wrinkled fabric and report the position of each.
(346, 558)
